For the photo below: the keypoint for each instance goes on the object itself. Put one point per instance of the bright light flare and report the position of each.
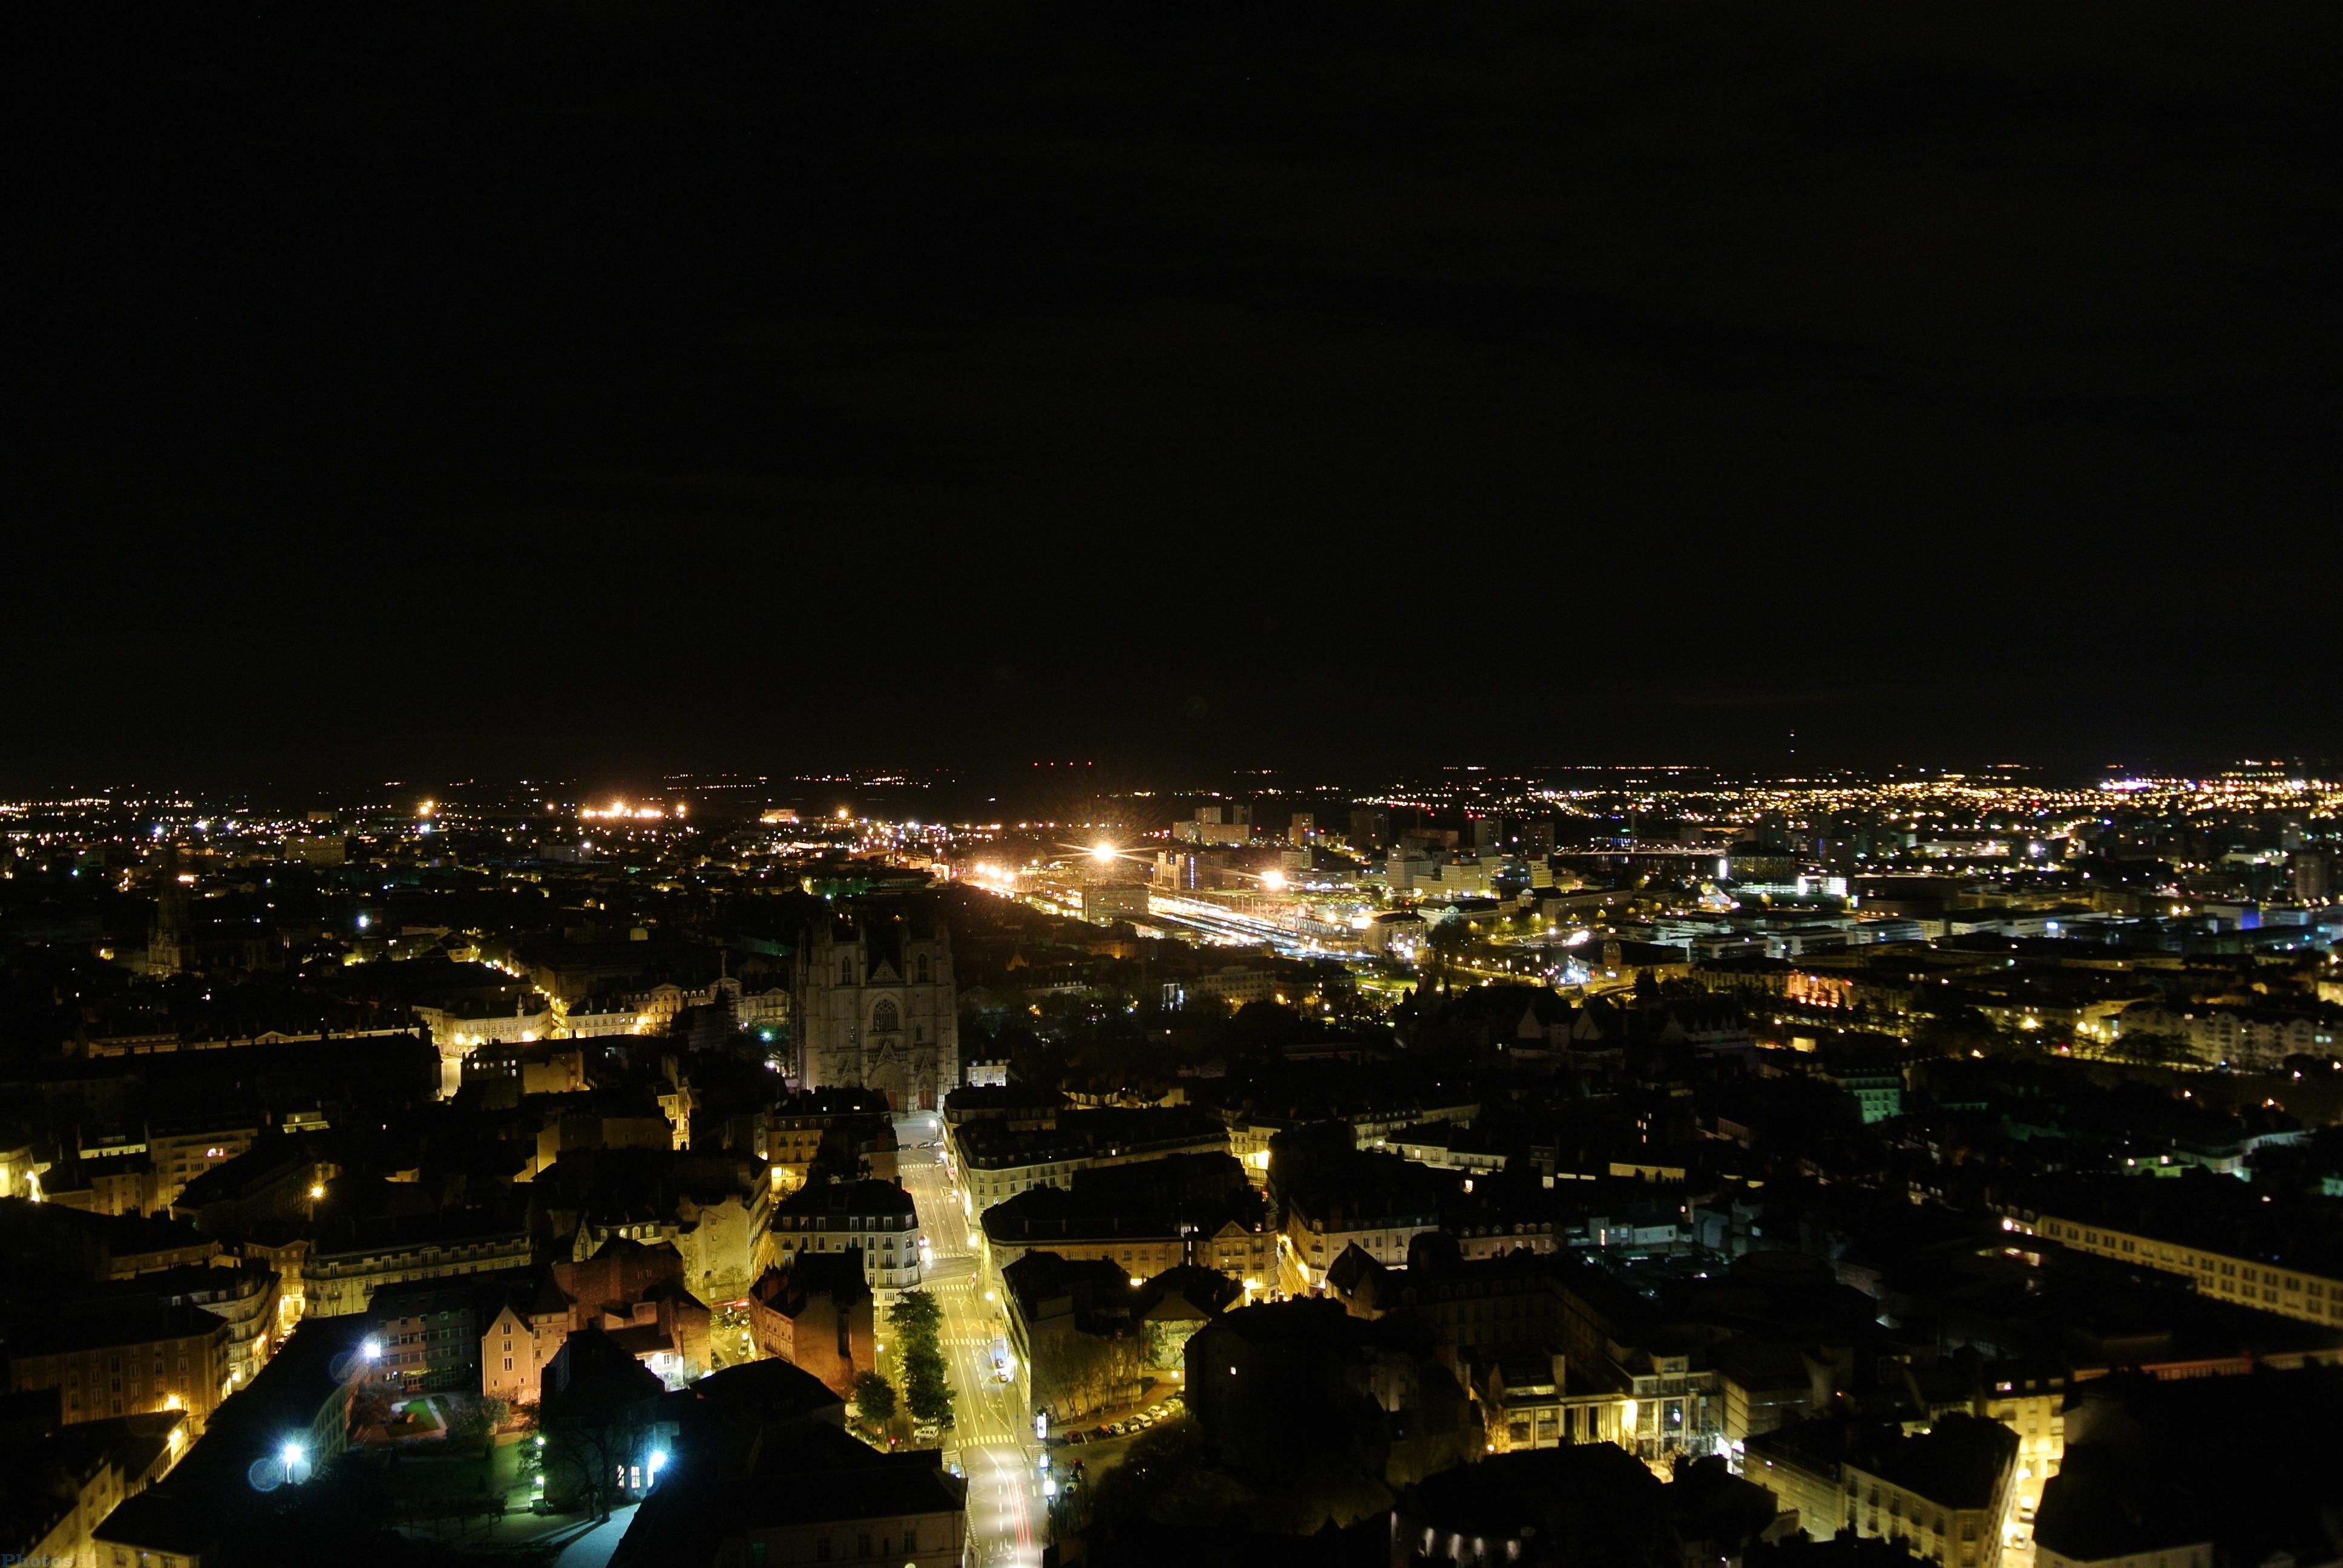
(619, 811)
(1102, 852)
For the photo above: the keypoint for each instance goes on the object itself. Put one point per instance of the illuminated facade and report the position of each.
(2285, 1288)
(877, 1219)
(877, 1008)
(183, 1151)
(107, 1364)
(341, 1280)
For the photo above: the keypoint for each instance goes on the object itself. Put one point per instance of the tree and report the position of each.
(915, 1317)
(874, 1397)
(916, 1314)
(1446, 942)
(468, 1420)
(923, 1384)
(2145, 1046)
(1955, 1031)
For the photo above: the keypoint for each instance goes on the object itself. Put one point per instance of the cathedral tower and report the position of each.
(876, 1007)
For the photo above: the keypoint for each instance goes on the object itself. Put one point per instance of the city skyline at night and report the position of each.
(1051, 786)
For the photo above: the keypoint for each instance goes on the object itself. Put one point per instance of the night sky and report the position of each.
(620, 387)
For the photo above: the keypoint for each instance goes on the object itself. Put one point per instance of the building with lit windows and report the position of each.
(523, 1334)
(1193, 1210)
(293, 1420)
(429, 1334)
(249, 1297)
(343, 1269)
(2211, 1230)
(715, 1209)
(1944, 1495)
(996, 1159)
(1376, 1202)
(185, 1148)
(877, 1218)
(66, 1480)
(842, 1127)
(135, 1359)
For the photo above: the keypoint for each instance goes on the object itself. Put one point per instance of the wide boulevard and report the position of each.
(992, 1439)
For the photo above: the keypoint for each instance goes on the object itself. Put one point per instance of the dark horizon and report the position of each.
(668, 390)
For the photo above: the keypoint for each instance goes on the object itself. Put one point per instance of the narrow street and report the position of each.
(992, 1440)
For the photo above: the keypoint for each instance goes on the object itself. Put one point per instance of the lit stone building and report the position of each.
(995, 1160)
(462, 1026)
(341, 1274)
(2259, 1039)
(2288, 1266)
(877, 1219)
(1944, 1495)
(1380, 1204)
(819, 1315)
(20, 1164)
(250, 1297)
(848, 1128)
(80, 1474)
(183, 1148)
(130, 1363)
(716, 1209)
(877, 1008)
(521, 1340)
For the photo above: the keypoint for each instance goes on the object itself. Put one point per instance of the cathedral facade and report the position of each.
(877, 1008)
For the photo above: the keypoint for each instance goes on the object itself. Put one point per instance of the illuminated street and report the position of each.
(992, 1439)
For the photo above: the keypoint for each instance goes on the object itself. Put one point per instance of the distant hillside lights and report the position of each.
(619, 811)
